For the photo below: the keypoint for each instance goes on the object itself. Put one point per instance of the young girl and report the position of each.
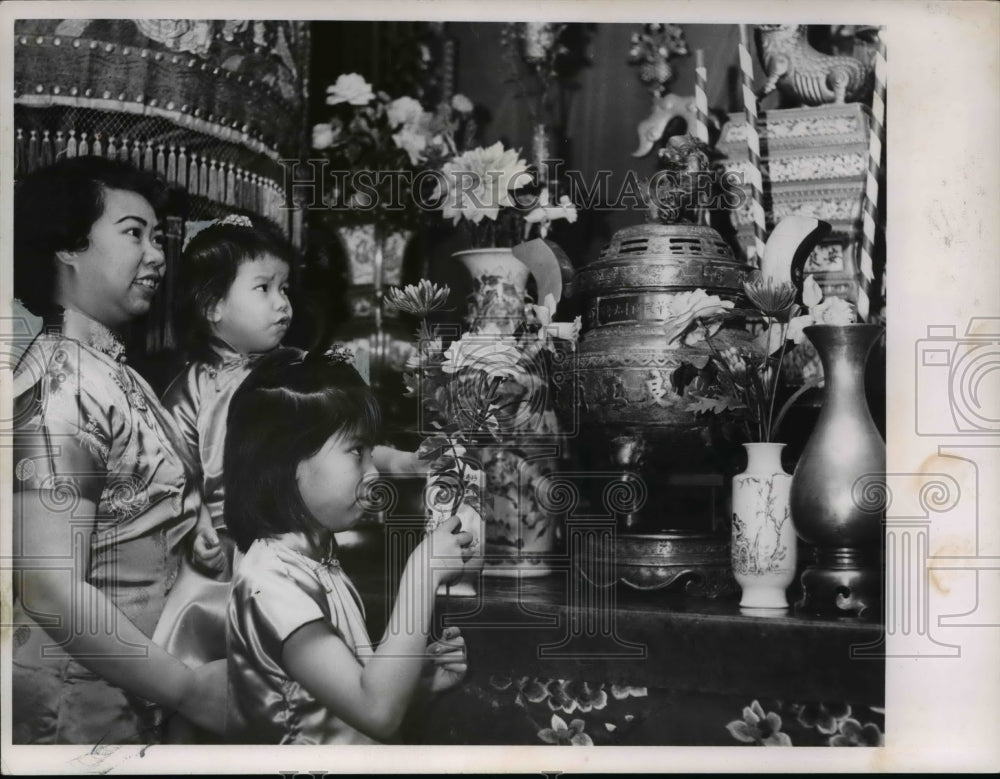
(301, 666)
(233, 302)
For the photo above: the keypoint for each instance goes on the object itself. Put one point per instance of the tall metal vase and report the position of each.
(838, 488)
(520, 534)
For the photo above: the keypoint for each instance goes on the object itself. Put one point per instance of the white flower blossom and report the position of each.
(323, 136)
(462, 104)
(566, 331)
(833, 311)
(812, 293)
(687, 307)
(494, 356)
(412, 142)
(403, 110)
(544, 214)
(350, 88)
(478, 183)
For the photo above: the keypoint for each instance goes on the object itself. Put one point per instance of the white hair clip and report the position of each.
(236, 220)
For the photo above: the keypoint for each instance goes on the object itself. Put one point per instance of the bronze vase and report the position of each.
(839, 483)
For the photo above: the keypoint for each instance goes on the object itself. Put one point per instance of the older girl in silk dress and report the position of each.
(302, 669)
(106, 502)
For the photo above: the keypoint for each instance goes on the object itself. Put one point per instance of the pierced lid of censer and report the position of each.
(668, 257)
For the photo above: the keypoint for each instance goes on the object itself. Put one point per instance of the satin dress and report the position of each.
(193, 624)
(277, 589)
(87, 425)
(199, 400)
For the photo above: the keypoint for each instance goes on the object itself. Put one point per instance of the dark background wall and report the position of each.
(604, 108)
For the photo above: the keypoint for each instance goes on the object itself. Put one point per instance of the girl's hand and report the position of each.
(449, 548)
(446, 664)
(207, 551)
(205, 699)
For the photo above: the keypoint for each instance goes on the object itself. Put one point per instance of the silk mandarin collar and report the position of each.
(298, 542)
(92, 333)
(223, 355)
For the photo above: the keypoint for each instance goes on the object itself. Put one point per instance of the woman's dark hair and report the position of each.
(209, 266)
(283, 412)
(54, 210)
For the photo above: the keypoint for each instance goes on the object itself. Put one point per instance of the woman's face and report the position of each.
(115, 278)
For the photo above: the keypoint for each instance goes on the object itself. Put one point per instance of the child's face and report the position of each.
(330, 481)
(255, 313)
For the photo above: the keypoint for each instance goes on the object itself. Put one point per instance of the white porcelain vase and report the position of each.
(520, 535)
(763, 537)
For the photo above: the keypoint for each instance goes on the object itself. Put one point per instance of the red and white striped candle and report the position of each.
(755, 179)
(869, 206)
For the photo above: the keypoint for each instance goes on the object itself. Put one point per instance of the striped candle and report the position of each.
(869, 212)
(753, 147)
(700, 97)
(701, 115)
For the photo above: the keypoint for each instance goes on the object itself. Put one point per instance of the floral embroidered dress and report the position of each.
(199, 400)
(276, 590)
(87, 426)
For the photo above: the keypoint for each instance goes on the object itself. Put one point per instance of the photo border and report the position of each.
(943, 105)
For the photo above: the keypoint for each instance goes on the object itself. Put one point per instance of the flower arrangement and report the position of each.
(377, 144)
(477, 389)
(496, 198)
(741, 375)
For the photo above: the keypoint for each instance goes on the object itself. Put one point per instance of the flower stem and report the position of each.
(777, 374)
(786, 407)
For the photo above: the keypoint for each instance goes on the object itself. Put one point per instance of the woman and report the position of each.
(104, 505)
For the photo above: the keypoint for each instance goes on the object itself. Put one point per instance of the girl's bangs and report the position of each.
(350, 411)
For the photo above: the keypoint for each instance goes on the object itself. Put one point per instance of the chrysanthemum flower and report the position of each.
(834, 311)
(478, 183)
(419, 299)
(771, 298)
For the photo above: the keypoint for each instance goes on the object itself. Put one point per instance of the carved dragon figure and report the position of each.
(812, 77)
